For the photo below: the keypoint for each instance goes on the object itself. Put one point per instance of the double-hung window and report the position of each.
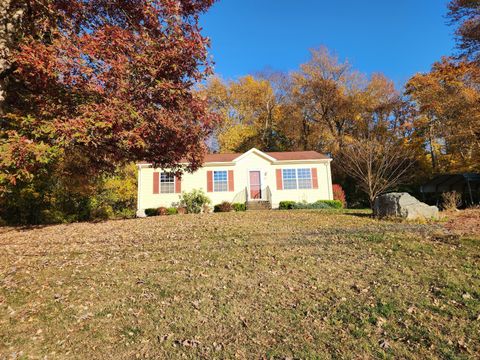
(167, 183)
(304, 177)
(297, 179)
(220, 181)
(289, 179)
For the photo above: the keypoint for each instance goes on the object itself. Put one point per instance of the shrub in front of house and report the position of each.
(172, 211)
(239, 207)
(320, 204)
(339, 194)
(223, 207)
(162, 211)
(334, 204)
(306, 206)
(151, 212)
(194, 201)
(286, 205)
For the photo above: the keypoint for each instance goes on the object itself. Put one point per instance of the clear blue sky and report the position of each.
(395, 37)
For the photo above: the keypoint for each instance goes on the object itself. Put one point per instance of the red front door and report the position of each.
(255, 185)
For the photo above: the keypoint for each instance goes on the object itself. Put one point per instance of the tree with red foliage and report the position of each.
(339, 194)
(101, 83)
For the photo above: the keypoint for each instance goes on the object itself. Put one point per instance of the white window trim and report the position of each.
(227, 181)
(174, 183)
(311, 179)
(297, 178)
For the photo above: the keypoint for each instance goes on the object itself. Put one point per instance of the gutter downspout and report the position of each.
(329, 172)
(140, 210)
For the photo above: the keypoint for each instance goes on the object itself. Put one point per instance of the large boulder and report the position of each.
(403, 205)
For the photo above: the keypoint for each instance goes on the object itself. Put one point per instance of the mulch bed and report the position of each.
(464, 222)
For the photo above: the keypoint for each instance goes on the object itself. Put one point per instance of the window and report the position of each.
(297, 179)
(289, 179)
(167, 183)
(220, 181)
(304, 178)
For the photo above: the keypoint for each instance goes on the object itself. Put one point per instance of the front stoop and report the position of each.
(259, 205)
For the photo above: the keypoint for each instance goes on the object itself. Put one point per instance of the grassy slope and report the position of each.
(273, 284)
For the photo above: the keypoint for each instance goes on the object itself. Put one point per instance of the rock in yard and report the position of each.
(403, 205)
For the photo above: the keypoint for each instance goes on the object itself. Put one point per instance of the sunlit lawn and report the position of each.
(273, 284)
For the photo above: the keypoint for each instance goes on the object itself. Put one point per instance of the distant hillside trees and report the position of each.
(328, 106)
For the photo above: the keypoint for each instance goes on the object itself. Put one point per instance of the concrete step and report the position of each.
(259, 205)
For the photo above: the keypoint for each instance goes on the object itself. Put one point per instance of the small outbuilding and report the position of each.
(466, 184)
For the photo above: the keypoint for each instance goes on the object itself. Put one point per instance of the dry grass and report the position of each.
(298, 284)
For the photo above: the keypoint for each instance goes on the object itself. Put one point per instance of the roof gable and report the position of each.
(256, 152)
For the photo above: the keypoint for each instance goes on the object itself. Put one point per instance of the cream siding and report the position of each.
(253, 160)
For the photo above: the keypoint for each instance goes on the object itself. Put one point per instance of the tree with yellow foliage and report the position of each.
(250, 111)
(448, 104)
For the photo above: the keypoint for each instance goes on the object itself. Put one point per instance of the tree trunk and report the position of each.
(305, 133)
(433, 156)
(11, 15)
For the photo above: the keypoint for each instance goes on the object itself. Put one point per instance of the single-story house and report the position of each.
(253, 177)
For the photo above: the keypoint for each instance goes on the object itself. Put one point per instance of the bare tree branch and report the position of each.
(378, 166)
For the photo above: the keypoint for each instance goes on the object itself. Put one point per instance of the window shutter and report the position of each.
(156, 183)
(314, 178)
(178, 184)
(209, 181)
(231, 181)
(279, 179)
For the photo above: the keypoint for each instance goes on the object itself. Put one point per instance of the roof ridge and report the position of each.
(276, 155)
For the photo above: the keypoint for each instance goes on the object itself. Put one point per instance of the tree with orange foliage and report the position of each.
(448, 104)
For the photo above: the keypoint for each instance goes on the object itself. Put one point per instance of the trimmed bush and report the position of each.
(239, 207)
(286, 205)
(151, 212)
(223, 207)
(315, 205)
(172, 211)
(194, 202)
(334, 204)
(162, 211)
(320, 204)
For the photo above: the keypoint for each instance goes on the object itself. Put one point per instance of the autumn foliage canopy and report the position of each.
(102, 83)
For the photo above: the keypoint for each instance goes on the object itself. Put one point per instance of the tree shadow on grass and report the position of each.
(362, 213)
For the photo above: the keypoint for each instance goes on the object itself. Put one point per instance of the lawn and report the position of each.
(273, 284)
